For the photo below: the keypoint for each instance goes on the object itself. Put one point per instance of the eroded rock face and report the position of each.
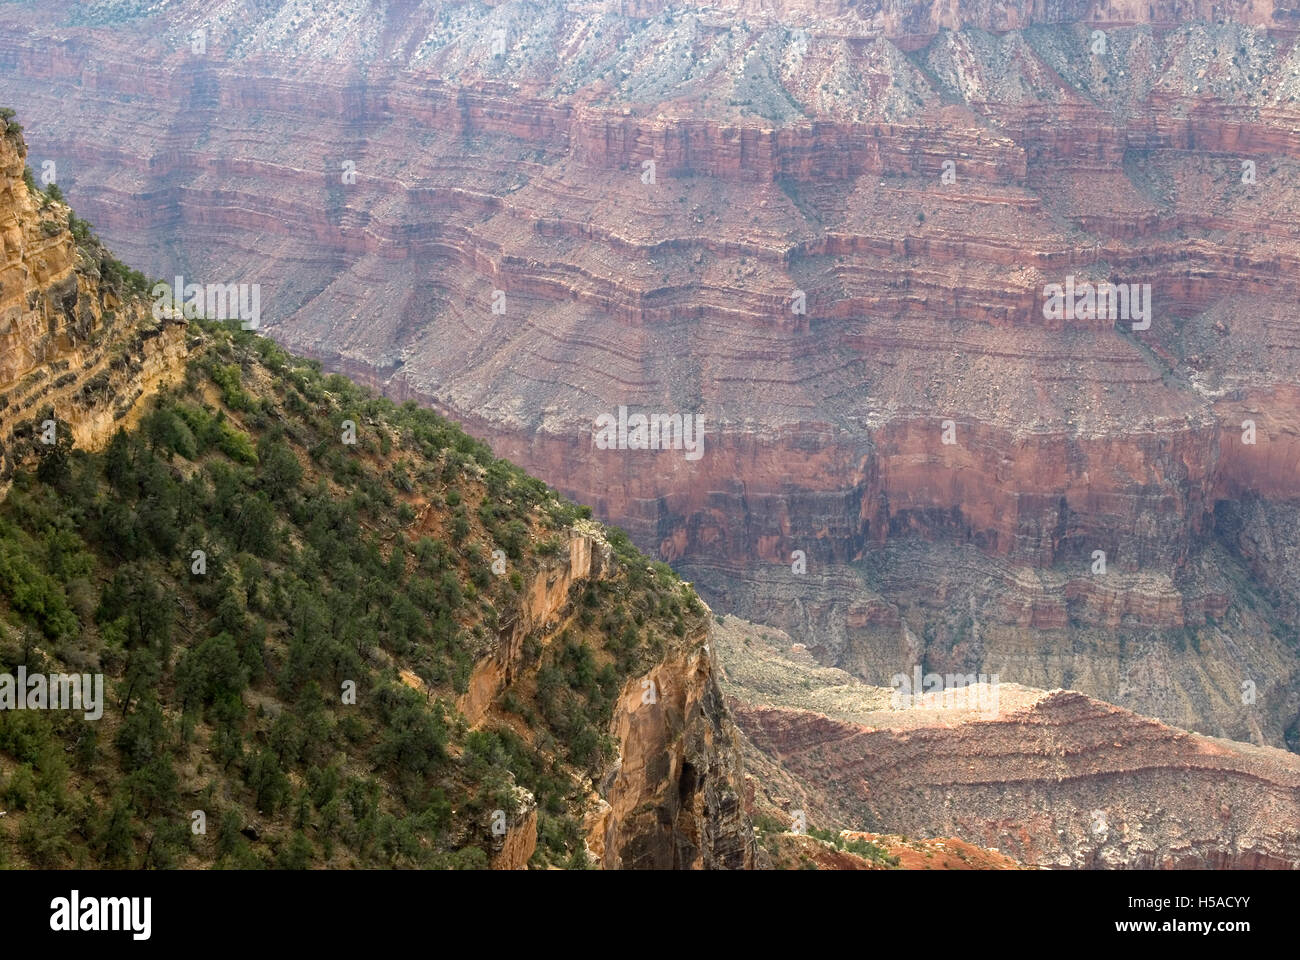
(516, 846)
(673, 799)
(544, 608)
(39, 315)
(920, 172)
(72, 350)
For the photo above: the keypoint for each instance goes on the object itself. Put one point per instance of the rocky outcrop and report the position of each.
(516, 845)
(670, 799)
(673, 799)
(543, 609)
(38, 285)
(73, 349)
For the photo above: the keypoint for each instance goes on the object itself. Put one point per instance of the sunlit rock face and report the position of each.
(77, 353)
(833, 232)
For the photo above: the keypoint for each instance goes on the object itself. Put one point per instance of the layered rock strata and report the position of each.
(829, 231)
(1050, 779)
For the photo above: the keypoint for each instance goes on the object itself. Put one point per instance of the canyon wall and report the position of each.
(826, 230)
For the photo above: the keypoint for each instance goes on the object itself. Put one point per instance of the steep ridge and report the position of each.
(327, 630)
(801, 148)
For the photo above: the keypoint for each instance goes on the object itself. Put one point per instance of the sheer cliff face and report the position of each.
(38, 274)
(674, 800)
(829, 231)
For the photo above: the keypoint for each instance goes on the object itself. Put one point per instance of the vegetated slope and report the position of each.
(334, 631)
(325, 567)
